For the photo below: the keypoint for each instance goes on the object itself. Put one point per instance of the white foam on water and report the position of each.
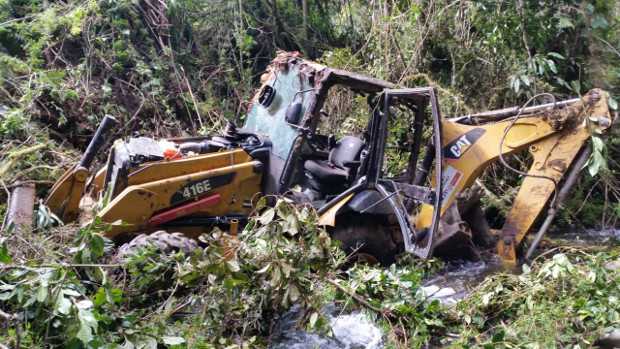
(356, 331)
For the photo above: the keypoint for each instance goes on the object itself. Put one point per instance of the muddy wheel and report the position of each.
(164, 242)
(367, 238)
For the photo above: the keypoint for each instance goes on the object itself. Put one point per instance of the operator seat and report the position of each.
(328, 176)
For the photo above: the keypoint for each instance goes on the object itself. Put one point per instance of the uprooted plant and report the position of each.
(280, 259)
(563, 301)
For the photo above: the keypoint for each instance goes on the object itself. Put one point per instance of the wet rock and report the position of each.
(613, 265)
(609, 340)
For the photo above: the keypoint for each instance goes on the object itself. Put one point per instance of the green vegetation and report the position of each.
(564, 301)
(76, 297)
(168, 68)
(172, 68)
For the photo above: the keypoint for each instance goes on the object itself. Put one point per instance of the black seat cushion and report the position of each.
(347, 149)
(330, 176)
(325, 172)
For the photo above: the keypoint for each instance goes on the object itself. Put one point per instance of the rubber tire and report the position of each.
(164, 242)
(366, 235)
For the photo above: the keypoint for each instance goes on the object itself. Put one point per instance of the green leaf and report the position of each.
(291, 226)
(261, 203)
(598, 144)
(7, 287)
(562, 82)
(555, 55)
(498, 336)
(114, 295)
(564, 23)
(5, 257)
(172, 340)
(88, 324)
(230, 283)
(63, 305)
(107, 295)
(599, 22)
(597, 162)
(282, 209)
(313, 318)
(552, 67)
(55, 76)
(613, 104)
(96, 245)
(41, 294)
(263, 269)
(267, 216)
(6, 295)
(71, 292)
(525, 79)
(100, 298)
(576, 86)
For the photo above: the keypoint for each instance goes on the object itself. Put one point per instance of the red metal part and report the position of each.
(184, 210)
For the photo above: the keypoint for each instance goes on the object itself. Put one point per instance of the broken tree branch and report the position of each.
(12, 157)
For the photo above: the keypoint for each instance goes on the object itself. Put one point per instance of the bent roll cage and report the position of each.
(370, 176)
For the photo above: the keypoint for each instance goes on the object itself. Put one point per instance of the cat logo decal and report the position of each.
(459, 146)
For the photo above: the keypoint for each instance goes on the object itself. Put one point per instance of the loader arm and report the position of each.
(554, 137)
(64, 197)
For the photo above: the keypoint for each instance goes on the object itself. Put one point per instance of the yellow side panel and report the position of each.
(153, 171)
(135, 205)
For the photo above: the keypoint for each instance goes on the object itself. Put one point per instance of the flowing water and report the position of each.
(590, 237)
(349, 331)
(448, 286)
(356, 331)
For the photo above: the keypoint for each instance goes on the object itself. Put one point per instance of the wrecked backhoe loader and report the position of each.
(426, 206)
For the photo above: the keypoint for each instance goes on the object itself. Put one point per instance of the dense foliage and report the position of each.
(182, 67)
(73, 296)
(565, 301)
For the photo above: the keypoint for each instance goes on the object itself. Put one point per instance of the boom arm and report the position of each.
(64, 197)
(554, 138)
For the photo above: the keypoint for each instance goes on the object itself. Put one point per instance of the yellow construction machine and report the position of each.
(426, 206)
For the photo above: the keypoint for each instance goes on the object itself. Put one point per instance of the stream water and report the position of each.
(590, 237)
(451, 284)
(350, 331)
(356, 331)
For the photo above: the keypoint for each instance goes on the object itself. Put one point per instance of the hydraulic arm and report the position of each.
(554, 135)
